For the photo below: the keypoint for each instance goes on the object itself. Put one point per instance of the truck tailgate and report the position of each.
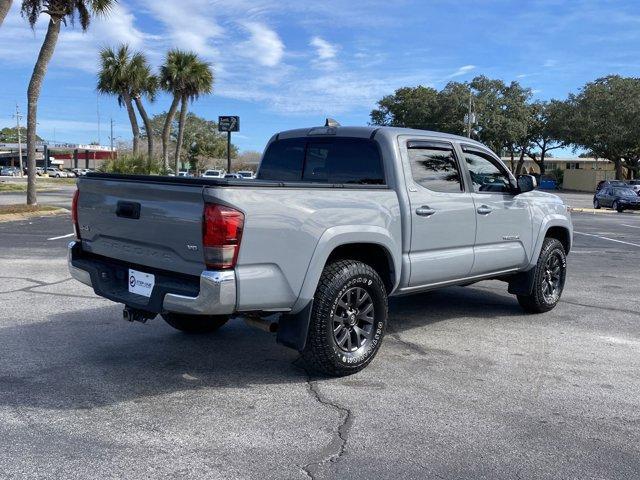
(153, 224)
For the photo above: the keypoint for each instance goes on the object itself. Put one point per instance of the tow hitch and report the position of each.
(136, 315)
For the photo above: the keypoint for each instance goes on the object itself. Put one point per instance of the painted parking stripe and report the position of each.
(61, 236)
(632, 226)
(607, 238)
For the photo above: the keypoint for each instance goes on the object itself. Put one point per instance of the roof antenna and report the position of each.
(330, 122)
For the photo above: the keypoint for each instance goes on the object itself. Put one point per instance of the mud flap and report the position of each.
(293, 329)
(522, 283)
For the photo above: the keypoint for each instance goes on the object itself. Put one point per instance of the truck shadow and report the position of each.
(91, 358)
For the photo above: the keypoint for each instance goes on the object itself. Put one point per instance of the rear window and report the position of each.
(333, 160)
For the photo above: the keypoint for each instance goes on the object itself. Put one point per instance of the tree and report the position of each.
(411, 107)
(603, 118)
(5, 6)
(186, 77)
(116, 78)
(59, 12)
(547, 129)
(202, 143)
(143, 83)
(10, 135)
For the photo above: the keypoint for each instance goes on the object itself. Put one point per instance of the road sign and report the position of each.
(229, 124)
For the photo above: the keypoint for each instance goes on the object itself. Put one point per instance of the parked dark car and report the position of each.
(618, 198)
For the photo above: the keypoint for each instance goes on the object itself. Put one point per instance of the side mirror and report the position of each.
(526, 183)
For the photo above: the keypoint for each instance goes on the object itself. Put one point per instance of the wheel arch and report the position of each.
(369, 244)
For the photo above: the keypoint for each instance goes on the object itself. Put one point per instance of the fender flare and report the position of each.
(294, 326)
(553, 220)
(335, 237)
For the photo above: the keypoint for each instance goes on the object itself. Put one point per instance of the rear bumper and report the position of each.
(213, 293)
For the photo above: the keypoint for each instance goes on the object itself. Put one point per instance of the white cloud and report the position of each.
(324, 49)
(76, 49)
(189, 24)
(264, 45)
(325, 53)
(463, 70)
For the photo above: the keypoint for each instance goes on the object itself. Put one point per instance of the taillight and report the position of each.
(222, 232)
(74, 213)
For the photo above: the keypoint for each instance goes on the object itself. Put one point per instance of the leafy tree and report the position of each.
(502, 111)
(115, 78)
(10, 135)
(603, 118)
(411, 107)
(202, 142)
(186, 77)
(59, 12)
(5, 6)
(547, 128)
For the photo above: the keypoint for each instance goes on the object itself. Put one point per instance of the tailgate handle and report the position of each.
(128, 210)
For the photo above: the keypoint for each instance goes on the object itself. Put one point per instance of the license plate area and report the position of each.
(141, 283)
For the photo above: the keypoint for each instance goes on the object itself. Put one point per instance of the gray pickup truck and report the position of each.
(337, 220)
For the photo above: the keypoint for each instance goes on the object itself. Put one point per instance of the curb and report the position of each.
(12, 217)
(600, 211)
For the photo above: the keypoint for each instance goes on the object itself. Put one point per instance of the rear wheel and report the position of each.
(549, 278)
(596, 204)
(348, 319)
(195, 323)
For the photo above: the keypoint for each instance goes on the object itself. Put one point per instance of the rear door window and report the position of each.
(435, 167)
(326, 160)
(283, 160)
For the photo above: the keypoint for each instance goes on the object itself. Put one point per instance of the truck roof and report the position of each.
(367, 132)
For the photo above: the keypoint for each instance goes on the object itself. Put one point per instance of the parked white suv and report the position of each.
(213, 174)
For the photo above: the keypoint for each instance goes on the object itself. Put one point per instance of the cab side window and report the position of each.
(434, 166)
(486, 175)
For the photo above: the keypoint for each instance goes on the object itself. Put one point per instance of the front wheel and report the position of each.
(195, 323)
(549, 278)
(596, 204)
(348, 319)
(616, 206)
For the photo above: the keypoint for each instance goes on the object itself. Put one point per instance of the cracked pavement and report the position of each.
(464, 386)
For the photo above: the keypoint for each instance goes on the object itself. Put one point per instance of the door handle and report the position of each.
(484, 210)
(425, 211)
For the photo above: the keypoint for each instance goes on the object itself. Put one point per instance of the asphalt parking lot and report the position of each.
(465, 386)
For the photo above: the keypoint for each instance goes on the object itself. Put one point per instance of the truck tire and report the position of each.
(549, 278)
(348, 319)
(195, 323)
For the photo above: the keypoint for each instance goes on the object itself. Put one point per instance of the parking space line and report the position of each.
(607, 238)
(631, 226)
(61, 236)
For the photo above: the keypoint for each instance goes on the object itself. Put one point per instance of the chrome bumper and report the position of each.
(217, 294)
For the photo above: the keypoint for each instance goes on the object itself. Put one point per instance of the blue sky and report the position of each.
(283, 64)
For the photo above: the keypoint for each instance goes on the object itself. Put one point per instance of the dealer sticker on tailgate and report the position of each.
(141, 283)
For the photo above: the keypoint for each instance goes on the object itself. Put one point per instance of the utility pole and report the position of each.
(18, 118)
(469, 116)
(111, 139)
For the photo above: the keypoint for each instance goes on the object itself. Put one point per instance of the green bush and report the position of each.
(133, 165)
(558, 173)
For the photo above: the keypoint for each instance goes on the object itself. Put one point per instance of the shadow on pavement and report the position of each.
(91, 358)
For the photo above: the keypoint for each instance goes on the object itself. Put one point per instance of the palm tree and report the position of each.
(59, 11)
(115, 78)
(186, 77)
(143, 83)
(5, 6)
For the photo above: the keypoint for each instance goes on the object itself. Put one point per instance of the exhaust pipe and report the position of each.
(131, 314)
(264, 324)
